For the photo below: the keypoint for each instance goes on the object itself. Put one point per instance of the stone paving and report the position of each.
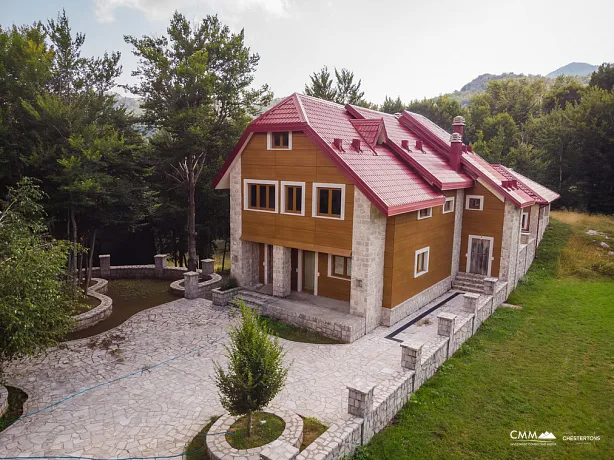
(157, 411)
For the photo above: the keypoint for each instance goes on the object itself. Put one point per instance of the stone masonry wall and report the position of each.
(458, 228)
(4, 400)
(510, 245)
(243, 254)
(368, 245)
(282, 271)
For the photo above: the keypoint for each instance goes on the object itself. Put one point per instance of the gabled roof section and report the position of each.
(538, 192)
(288, 111)
(432, 165)
(370, 130)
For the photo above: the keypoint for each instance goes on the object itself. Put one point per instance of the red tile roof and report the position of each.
(538, 192)
(396, 176)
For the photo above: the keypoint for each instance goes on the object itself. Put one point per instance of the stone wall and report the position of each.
(419, 362)
(368, 245)
(510, 245)
(98, 313)
(222, 298)
(4, 400)
(390, 316)
(204, 287)
(459, 205)
(282, 271)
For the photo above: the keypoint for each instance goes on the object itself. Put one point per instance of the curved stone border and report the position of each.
(99, 313)
(4, 400)
(204, 287)
(286, 446)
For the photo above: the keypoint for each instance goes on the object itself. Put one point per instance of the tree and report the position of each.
(321, 86)
(35, 307)
(348, 92)
(603, 77)
(256, 373)
(440, 110)
(392, 105)
(565, 90)
(196, 88)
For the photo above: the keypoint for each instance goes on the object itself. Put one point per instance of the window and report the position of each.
(280, 140)
(260, 195)
(474, 202)
(293, 198)
(425, 213)
(339, 267)
(448, 206)
(328, 201)
(421, 263)
(524, 222)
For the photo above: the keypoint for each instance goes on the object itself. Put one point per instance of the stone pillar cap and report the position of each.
(190, 274)
(104, 255)
(491, 279)
(412, 343)
(160, 255)
(361, 385)
(446, 315)
(471, 295)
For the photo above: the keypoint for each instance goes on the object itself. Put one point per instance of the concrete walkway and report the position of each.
(157, 412)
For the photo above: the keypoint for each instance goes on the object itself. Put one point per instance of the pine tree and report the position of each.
(256, 373)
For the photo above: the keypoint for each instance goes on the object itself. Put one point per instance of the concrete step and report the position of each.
(470, 276)
(468, 289)
(468, 283)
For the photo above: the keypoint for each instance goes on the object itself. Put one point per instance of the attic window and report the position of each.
(425, 213)
(280, 140)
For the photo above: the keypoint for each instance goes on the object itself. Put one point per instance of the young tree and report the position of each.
(603, 77)
(35, 307)
(321, 86)
(256, 373)
(196, 88)
(344, 91)
(348, 92)
(392, 105)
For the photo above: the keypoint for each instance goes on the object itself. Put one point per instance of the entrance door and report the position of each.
(261, 252)
(294, 269)
(269, 271)
(480, 250)
(309, 269)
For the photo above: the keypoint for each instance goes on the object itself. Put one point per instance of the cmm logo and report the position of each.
(515, 434)
(530, 437)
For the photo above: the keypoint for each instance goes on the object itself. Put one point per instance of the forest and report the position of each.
(134, 184)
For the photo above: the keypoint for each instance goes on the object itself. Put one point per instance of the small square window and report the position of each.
(260, 196)
(292, 196)
(421, 262)
(524, 222)
(448, 205)
(280, 140)
(475, 202)
(329, 202)
(339, 267)
(425, 213)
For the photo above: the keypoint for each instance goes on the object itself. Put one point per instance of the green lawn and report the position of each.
(546, 367)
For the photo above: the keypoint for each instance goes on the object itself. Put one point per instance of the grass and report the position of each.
(17, 399)
(197, 449)
(312, 429)
(546, 367)
(295, 333)
(218, 256)
(265, 428)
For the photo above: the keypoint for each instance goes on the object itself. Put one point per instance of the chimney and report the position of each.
(469, 149)
(458, 125)
(405, 144)
(418, 144)
(356, 144)
(456, 150)
(338, 144)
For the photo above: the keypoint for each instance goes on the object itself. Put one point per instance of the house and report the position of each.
(384, 212)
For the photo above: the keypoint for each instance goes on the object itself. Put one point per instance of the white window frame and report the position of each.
(470, 197)
(315, 199)
(449, 199)
(426, 250)
(522, 229)
(283, 185)
(331, 274)
(269, 141)
(248, 182)
(430, 210)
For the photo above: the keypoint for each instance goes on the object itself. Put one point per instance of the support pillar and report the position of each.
(207, 266)
(445, 327)
(160, 264)
(105, 266)
(282, 272)
(190, 283)
(360, 398)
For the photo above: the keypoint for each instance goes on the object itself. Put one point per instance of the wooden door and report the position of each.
(261, 263)
(269, 272)
(309, 270)
(480, 256)
(294, 270)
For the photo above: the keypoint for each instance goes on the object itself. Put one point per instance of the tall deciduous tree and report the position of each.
(256, 373)
(196, 88)
(603, 77)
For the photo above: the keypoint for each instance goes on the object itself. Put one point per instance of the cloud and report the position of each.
(162, 9)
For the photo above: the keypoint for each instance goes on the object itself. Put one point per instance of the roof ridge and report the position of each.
(320, 100)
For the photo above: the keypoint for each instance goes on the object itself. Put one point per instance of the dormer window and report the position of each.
(280, 140)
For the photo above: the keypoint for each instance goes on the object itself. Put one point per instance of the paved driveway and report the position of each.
(157, 412)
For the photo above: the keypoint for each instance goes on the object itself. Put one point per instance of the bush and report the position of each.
(228, 283)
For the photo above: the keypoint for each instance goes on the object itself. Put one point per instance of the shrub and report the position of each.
(228, 283)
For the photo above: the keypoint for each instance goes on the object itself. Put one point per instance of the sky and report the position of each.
(412, 49)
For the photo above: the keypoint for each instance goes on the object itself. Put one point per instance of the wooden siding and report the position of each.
(304, 163)
(405, 234)
(334, 288)
(488, 222)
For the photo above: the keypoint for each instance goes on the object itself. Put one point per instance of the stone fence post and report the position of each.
(190, 283)
(411, 358)
(471, 306)
(489, 285)
(206, 266)
(105, 266)
(360, 398)
(445, 327)
(160, 264)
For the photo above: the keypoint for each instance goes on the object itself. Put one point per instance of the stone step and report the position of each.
(468, 289)
(468, 283)
(470, 276)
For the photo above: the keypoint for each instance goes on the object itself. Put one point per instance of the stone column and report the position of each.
(207, 266)
(411, 355)
(489, 285)
(445, 328)
(459, 205)
(510, 244)
(360, 398)
(243, 254)
(281, 271)
(105, 266)
(368, 244)
(471, 302)
(160, 264)
(190, 283)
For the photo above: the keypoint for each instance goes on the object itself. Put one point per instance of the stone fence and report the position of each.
(98, 313)
(372, 407)
(4, 400)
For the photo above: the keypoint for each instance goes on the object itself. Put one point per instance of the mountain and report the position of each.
(575, 69)
(481, 82)
(132, 104)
